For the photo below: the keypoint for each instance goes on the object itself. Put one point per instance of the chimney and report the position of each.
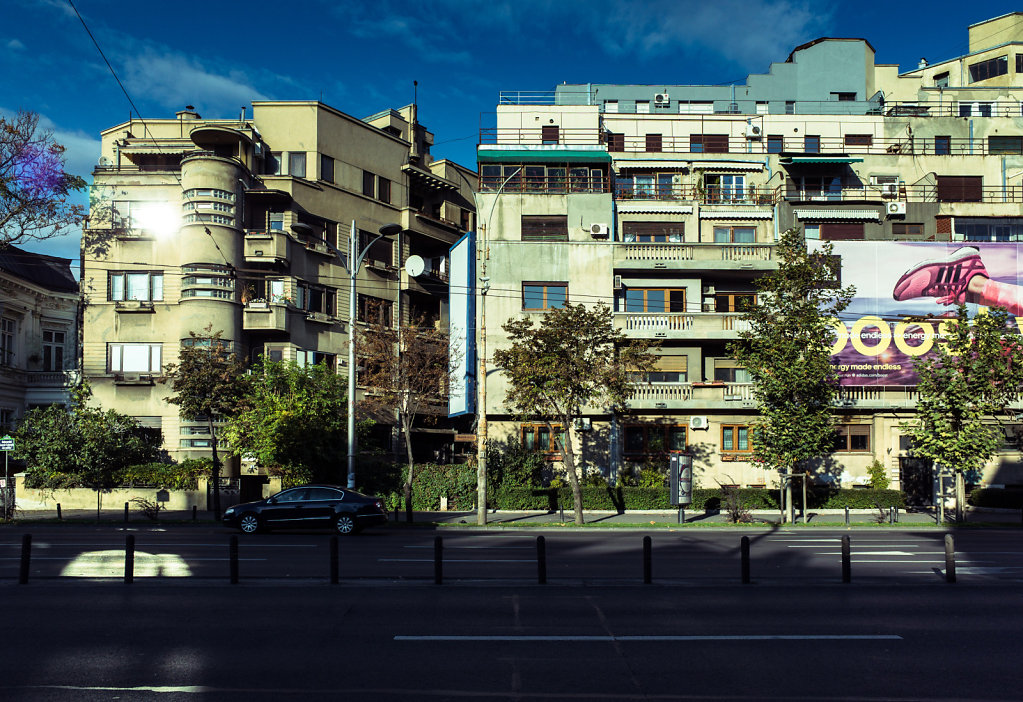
(188, 113)
(923, 63)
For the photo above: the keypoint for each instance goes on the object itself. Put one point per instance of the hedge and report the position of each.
(1006, 498)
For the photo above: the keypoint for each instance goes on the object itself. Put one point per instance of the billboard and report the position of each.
(903, 292)
(462, 326)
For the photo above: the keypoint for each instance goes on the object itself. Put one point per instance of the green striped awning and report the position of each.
(542, 156)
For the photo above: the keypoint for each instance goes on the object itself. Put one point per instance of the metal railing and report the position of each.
(712, 195)
(677, 252)
(546, 184)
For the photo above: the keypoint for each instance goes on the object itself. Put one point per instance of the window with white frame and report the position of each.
(134, 358)
(144, 286)
(725, 187)
(8, 330)
(53, 350)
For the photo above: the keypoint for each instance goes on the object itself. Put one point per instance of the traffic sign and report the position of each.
(7, 443)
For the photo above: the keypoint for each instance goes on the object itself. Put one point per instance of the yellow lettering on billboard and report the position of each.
(884, 336)
(841, 336)
(900, 338)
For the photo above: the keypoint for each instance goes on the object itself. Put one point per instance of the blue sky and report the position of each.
(361, 57)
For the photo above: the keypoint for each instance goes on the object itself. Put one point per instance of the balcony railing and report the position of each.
(671, 323)
(692, 252)
(661, 392)
(704, 195)
(546, 184)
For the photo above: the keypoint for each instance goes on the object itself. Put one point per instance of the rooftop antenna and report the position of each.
(414, 136)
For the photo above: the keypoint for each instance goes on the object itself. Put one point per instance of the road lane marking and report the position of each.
(655, 637)
(457, 560)
(483, 548)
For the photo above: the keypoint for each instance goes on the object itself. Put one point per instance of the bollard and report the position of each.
(60, 517)
(26, 557)
(744, 549)
(647, 571)
(194, 512)
(847, 515)
(561, 507)
(438, 560)
(846, 562)
(891, 514)
(233, 558)
(129, 559)
(335, 565)
(541, 560)
(950, 559)
(125, 512)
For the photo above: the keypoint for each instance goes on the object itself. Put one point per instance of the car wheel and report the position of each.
(249, 523)
(345, 524)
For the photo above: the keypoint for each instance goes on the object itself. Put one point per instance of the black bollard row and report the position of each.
(125, 512)
(846, 561)
(60, 517)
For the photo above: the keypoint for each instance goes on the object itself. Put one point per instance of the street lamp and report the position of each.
(354, 264)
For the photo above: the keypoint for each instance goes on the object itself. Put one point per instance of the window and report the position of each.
(653, 232)
(276, 221)
(841, 231)
(790, 107)
(653, 438)
(941, 80)
(373, 310)
(982, 70)
(666, 369)
(735, 438)
(544, 228)
(610, 106)
(859, 139)
(296, 164)
(615, 142)
(775, 143)
(313, 358)
(975, 109)
(382, 252)
(1019, 63)
(734, 301)
(708, 143)
(313, 298)
(549, 134)
(907, 230)
(1005, 144)
(655, 300)
(725, 187)
(852, 437)
(8, 329)
(689, 107)
(544, 296)
(326, 168)
(538, 437)
(989, 228)
(653, 142)
(465, 219)
(135, 286)
(368, 184)
(728, 370)
(383, 189)
(763, 107)
(735, 235)
(53, 350)
(942, 145)
(133, 358)
(844, 97)
(822, 187)
(812, 144)
(960, 188)
(642, 107)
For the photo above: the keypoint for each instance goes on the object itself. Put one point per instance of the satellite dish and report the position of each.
(104, 161)
(415, 265)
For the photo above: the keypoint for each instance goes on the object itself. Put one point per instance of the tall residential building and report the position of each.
(666, 203)
(244, 225)
(38, 332)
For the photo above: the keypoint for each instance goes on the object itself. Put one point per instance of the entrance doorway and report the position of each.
(917, 478)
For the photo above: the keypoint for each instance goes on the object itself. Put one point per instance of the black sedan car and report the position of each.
(309, 507)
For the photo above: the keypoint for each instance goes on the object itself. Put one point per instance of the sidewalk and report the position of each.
(595, 519)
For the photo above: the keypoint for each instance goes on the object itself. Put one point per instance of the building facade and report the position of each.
(665, 202)
(243, 225)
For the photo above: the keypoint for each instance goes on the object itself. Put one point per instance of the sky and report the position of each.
(362, 57)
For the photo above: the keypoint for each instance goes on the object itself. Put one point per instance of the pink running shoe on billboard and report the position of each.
(943, 278)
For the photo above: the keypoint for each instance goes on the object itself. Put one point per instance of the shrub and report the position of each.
(878, 475)
(1006, 498)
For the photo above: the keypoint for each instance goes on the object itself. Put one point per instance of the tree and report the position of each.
(81, 445)
(964, 388)
(405, 370)
(209, 382)
(293, 421)
(575, 359)
(34, 188)
(787, 351)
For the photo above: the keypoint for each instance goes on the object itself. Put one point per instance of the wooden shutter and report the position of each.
(960, 188)
(549, 134)
(615, 142)
(841, 231)
(668, 229)
(544, 228)
(653, 142)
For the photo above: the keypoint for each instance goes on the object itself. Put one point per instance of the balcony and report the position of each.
(837, 194)
(264, 317)
(691, 396)
(737, 196)
(143, 306)
(758, 257)
(669, 325)
(265, 246)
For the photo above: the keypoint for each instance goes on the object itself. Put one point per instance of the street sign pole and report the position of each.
(7, 445)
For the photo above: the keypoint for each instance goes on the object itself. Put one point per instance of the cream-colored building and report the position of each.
(38, 332)
(665, 202)
(244, 224)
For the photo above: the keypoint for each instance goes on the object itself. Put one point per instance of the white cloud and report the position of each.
(15, 45)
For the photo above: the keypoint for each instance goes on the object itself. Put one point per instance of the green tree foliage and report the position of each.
(575, 359)
(209, 382)
(405, 371)
(81, 445)
(34, 188)
(787, 351)
(964, 390)
(293, 421)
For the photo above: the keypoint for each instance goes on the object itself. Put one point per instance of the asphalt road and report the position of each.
(258, 641)
(199, 555)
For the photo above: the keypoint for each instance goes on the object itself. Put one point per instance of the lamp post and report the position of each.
(354, 264)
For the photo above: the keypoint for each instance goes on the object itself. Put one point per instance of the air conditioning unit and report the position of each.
(661, 99)
(599, 230)
(709, 290)
(618, 282)
(889, 189)
(896, 209)
(676, 179)
(753, 131)
(698, 423)
(582, 424)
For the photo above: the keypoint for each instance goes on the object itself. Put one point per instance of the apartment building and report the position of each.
(244, 224)
(665, 202)
(38, 332)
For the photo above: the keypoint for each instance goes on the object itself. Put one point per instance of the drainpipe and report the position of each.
(1004, 183)
(971, 137)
